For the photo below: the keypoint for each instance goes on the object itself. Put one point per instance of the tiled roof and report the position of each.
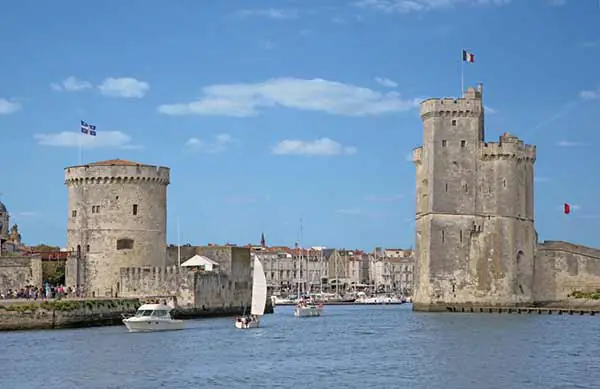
(115, 162)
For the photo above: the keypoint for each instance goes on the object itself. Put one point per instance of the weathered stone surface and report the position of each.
(17, 272)
(116, 218)
(476, 245)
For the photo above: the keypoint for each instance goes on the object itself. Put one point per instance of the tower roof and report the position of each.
(115, 162)
(2, 207)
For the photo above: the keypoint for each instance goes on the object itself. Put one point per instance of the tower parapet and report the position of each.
(508, 147)
(116, 218)
(470, 105)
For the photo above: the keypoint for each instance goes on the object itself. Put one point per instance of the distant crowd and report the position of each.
(45, 292)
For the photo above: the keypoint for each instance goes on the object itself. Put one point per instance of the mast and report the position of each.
(335, 264)
(178, 245)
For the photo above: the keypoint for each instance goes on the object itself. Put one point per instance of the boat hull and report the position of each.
(308, 312)
(153, 325)
(246, 326)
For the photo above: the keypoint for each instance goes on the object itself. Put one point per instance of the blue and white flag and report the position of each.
(88, 129)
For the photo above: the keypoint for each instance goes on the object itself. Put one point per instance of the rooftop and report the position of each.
(115, 162)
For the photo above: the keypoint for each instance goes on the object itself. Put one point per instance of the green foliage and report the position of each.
(586, 295)
(44, 248)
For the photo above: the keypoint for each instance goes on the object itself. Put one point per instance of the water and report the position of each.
(349, 347)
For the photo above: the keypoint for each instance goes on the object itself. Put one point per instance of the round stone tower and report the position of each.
(117, 217)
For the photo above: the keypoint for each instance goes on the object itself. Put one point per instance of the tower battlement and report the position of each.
(508, 147)
(470, 105)
(116, 171)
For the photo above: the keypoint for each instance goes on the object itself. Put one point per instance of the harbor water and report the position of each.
(348, 347)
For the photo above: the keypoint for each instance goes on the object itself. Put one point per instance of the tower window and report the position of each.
(95, 209)
(124, 244)
(87, 248)
(504, 182)
(454, 122)
(466, 188)
(135, 209)
(444, 143)
(74, 213)
(443, 236)
(463, 143)
(461, 236)
(446, 187)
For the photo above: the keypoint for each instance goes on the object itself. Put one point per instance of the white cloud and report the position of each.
(125, 87)
(406, 6)
(242, 100)
(589, 94)
(220, 143)
(104, 139)
(323, 146)
(271, 13)
(386, 82)
(71, 84)
(8, 106)
(489, 110)
(567, 143)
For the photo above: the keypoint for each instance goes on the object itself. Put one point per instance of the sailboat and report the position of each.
(259, 298)
(306, 306)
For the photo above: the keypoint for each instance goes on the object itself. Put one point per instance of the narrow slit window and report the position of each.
(466, 188)
(446, 187)
(454, 122)
(444, 143)
(504, 183)
(74, 213)
(443, 236)
(460, 236)
(135, 209)
(463, 143)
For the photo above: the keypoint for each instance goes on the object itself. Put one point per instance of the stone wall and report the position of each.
(33, 315)
(158, 281)
(234, 261)
(562, 268)
(116, 218)
(17, 272)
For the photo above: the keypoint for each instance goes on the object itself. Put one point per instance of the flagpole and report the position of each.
(80, 148)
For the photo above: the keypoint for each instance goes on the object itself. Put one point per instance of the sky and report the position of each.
(278, 114)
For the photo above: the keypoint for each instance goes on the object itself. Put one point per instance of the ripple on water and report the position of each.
(350, 347)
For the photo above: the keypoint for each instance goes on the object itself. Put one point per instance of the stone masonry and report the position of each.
(475, 236)
(116, 218)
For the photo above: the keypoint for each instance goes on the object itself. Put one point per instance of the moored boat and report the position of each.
(153, 317)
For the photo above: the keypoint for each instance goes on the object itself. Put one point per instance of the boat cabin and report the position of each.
(154, 310)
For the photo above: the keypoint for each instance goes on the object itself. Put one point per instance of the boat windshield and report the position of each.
(160, 313)
(141, 313)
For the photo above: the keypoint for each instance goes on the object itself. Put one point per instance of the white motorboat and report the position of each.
(153, 317)
(259, 299)
(308, 308)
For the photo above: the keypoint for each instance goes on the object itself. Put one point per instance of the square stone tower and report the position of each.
(475, 236)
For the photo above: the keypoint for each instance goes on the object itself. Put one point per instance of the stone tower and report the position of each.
(117, 216)
(475, 237)
(4, 220)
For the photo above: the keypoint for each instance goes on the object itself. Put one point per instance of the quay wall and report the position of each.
(17, 272)
(38, 315)
(562, 268)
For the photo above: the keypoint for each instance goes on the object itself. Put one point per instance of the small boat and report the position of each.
(259, 299)
(308, 308)
(152, 317)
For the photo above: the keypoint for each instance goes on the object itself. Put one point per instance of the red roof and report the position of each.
(115, 162)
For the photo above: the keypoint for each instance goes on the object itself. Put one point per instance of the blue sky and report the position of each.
(272, 111)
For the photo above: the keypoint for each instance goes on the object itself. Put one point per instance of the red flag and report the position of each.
(567, 209)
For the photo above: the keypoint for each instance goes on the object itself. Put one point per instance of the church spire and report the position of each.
(263, 243)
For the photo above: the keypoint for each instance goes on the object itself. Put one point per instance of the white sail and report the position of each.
(259, 289)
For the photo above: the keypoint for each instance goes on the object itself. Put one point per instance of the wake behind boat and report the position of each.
(306, 307)
(259, 299)
(153, 317)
